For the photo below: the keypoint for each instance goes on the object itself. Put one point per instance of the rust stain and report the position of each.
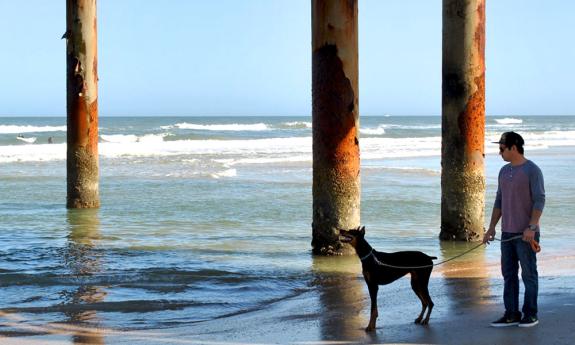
(472, 118)
(334, 110)
(480, 31)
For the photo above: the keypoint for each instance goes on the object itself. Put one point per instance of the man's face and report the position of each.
(505, 152)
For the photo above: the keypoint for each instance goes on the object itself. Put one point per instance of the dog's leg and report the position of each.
(373, 288)
(416, 286)
(425, 294)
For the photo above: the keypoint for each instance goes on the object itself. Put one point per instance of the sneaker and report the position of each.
(506, 321)
(528, 321)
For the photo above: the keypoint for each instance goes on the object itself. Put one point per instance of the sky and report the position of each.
(253, 57)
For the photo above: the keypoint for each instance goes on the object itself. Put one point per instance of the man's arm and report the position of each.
(529, 234)
(495, 216)
(537, 187)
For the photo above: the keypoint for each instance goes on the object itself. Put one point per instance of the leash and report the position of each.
(534, 245)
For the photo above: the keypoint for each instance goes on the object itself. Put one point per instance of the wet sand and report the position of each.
(467, 296)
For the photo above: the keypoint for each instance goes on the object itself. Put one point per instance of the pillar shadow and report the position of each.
(341, 297)
(83, 261)
(467, 277)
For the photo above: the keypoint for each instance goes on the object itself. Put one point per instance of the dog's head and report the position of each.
(352, 236)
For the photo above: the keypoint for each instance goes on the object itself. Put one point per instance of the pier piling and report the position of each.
(463, 120)
(335, 118)
(82, 104)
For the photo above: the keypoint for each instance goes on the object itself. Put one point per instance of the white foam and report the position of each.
(119, 138)
(29, 140)
(32, 153)
(298, 124)
(379, 130)
(225, 173)
(15, 129)
(263, 151)
(508, 121)
(131, 138)
(221, 127)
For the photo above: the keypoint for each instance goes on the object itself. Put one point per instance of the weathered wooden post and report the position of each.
(336, 182)
(82, 104)
(463, 120)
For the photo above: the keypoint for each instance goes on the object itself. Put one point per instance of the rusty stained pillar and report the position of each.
(82, 104)
(336, 182)
(463, 120)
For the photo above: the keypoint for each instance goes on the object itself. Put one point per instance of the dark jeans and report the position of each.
(514, 253)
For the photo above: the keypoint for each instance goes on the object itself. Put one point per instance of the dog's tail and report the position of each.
(433, 257)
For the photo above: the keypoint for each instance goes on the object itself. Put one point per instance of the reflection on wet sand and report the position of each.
(341, 294)
(82, 258)
(467, 277)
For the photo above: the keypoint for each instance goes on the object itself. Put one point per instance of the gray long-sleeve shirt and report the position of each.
(520, 190)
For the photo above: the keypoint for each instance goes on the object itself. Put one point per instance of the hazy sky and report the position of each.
(253, 57)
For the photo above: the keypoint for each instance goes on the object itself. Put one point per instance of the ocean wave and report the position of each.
(508, 121)
(297, 124)
(413, 170)
(379, 130)
(131, 138)
(258, 151)
(146, 277)
(225, 173)
(221, 127)
(15, 129)
(30, 140)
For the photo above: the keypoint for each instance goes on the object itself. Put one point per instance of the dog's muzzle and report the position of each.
(345, 239)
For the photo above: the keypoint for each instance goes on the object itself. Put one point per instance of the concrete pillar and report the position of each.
(82, 104)
(336, 182)
(463, 120)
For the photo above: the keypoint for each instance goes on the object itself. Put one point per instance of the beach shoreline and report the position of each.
(336, 310)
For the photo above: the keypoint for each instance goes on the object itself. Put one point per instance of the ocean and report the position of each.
(204, 218)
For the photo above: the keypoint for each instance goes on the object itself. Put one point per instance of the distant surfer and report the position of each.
(50, 141)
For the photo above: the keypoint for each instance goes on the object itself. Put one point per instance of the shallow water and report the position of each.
(204, 218)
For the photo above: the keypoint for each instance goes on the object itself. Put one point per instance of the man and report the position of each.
(519, 202)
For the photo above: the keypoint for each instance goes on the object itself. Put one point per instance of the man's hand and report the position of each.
(528, 235)
(489, 235)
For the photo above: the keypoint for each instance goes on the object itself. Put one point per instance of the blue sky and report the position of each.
(253, 57)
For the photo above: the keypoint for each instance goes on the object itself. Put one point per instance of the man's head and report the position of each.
(510, 143)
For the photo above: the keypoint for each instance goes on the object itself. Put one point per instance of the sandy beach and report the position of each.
(467, 298)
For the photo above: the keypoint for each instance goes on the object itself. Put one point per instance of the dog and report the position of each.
(381, 268)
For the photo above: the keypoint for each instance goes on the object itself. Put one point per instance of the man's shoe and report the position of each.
(506, 321)
(528, 321)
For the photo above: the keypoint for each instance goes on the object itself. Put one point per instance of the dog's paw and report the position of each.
(370, 328)
(417, 321)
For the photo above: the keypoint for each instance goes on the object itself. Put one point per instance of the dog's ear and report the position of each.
(362, 231)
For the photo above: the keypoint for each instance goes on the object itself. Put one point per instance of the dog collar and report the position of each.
(367, 256)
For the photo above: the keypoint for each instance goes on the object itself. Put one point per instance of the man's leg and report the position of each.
(510, 270)
(528, 261)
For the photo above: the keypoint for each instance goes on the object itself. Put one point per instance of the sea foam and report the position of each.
(261, 151)
(15, 129)
(220, 127)
(508, 121)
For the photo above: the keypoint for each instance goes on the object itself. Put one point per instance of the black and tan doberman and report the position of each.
(383, 268)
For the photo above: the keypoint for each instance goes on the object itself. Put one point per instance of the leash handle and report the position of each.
(535, 246)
